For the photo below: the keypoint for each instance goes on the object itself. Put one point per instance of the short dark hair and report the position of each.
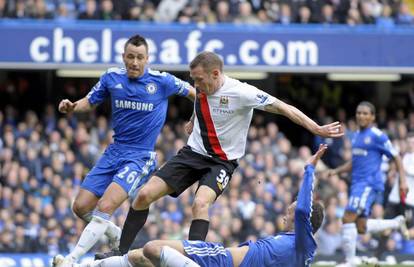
(369, 105)
(316, 216)
(208, 61)
(136, 40)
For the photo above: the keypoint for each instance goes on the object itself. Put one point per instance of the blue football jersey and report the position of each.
(368, 147)
(288, 249)
(139, 106)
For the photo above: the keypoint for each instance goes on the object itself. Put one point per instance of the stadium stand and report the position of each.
(45, 156)
(351, 12)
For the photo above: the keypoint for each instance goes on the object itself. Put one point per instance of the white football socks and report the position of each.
(116, 261)
(113, 232)
(349, 238)
(172, 258)
(87, 217)
(379, 225)
(90, 235)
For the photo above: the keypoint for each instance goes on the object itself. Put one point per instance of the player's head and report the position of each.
(206, 70)
(316, 216)
(135, 56)
(365, 114)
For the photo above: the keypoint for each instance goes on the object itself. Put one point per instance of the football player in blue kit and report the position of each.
(139, 101)
(296, 247)
(369, 144)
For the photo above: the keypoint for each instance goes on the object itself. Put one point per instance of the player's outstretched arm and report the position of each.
(329, 130)
(188, 127)
(304, 202)
(82, 105)
(304, 230)
(191, 93)
(318, 155)
(346, 167)
(403, 187)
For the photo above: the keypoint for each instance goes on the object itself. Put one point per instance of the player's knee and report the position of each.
(143, 200)
(349, 218)
(361, 227)
(200, 205)
(106, 206)
(136, 257)
(152, 250)
(79, 209)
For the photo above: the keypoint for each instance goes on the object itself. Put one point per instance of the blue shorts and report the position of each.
(130, 168)
(361, 199)
(208, 254)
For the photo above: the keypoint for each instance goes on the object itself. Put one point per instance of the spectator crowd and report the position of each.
(385, 13)
(43, 159)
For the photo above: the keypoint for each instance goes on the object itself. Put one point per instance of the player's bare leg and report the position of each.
(85, 202)
(134, 258)
(83, 206)
(110, 201)
(204, 197)
(153, 190)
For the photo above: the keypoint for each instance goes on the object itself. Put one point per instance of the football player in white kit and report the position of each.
(223, 111)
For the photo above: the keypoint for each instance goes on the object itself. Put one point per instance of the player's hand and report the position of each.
(333, 129)
(66, 106)
(314, 159)
(403, 191)
(188, 127)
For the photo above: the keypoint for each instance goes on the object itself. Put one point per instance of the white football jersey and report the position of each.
(222, 120)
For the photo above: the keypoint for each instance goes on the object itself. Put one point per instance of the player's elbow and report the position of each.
(301, 211)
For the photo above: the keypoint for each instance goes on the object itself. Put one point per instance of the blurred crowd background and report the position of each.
(384, 13)
(44, 156)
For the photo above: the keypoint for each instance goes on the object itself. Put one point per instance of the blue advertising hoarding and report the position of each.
(45, 260)
(270, 48)
(32, 259)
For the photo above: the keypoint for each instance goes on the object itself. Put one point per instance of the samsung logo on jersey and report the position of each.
(134, 105)
(359, 152)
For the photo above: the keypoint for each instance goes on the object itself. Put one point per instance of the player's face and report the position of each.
(289, 218)
(206, 82)
(135, 58)
(364, 116)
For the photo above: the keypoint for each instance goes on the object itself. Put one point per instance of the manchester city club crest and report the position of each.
(224, 101)
(151, 88)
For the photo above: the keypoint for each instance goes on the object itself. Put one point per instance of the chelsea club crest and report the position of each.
(151, 88)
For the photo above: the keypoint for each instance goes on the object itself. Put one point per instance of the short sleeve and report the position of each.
(252, 97)
(386, 147)
(99, 92)
(175, 86)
